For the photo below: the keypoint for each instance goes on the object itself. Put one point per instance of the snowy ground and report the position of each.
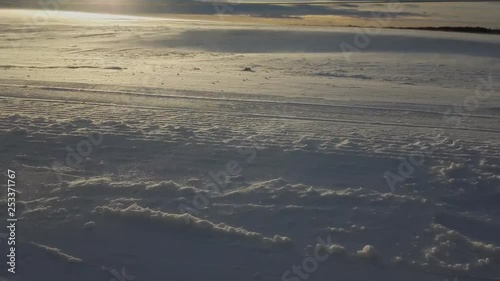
(155, 149)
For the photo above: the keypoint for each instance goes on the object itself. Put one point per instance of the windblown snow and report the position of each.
(161, 149)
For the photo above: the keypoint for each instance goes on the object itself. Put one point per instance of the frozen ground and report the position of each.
(271, 139)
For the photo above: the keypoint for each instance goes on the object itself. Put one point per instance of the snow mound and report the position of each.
(57, 253)
(367, 252)
(190, 222)
(454, 251)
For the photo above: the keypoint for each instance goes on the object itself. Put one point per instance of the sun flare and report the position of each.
(44, 16)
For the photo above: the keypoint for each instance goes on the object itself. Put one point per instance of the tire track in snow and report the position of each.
(257, 115)
(70, 89)
(237, 129)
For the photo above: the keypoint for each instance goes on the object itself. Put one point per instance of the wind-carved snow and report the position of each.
(190, 222)
(214, 161)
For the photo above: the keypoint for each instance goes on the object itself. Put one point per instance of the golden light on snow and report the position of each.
(83, 16)
(92, 16)
(41, 17)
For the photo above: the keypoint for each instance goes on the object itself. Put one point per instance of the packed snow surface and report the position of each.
(161, 149)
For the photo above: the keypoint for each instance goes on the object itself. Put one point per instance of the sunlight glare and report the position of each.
(93, 16)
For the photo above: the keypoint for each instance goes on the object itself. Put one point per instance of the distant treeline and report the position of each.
(467, 29)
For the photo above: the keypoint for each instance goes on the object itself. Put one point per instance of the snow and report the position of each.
(143, 146)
